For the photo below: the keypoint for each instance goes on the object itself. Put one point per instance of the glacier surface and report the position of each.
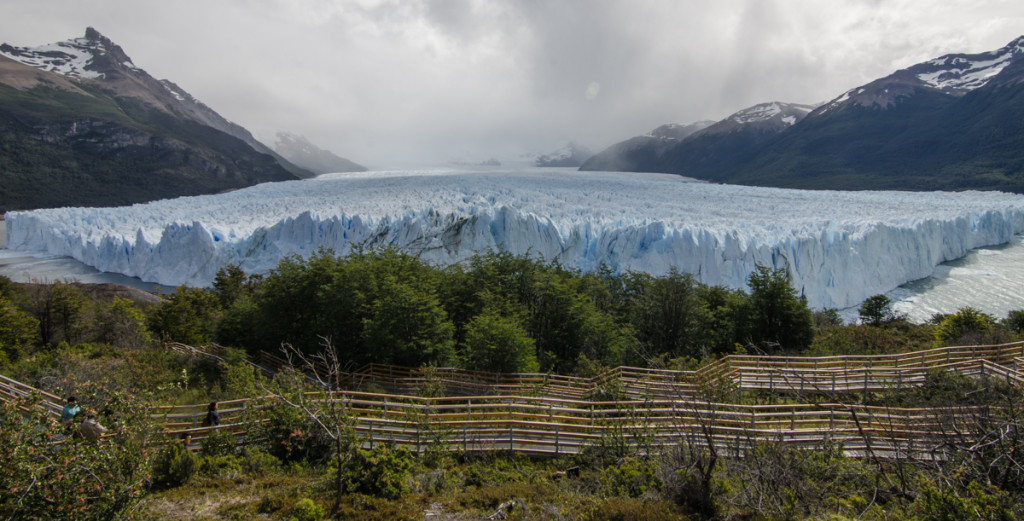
(837, 247)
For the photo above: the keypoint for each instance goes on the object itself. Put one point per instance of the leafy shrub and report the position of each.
(256, 461)
(219, 442)
(634, 509)
(307, 510)
(382, 471)
(224, 465)
(980, 502)
(48, 476)
(632, 478)
(290, 436)
(174, 466)
(497, 470)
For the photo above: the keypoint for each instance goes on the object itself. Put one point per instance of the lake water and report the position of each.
(990, 279)
(22, 267)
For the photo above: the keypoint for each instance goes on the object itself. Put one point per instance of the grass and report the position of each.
(472, 488)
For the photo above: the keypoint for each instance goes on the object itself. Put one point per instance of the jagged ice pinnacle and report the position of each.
(837, 247)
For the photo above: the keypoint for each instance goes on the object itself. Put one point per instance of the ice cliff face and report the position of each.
(837, 247)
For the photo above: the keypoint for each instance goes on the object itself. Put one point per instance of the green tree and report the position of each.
(967, 325)
(1015, 320)
(408, 326)
(499, 343)
(778, 314)
(18, 330)
(877, 310)
(565, 323)
(60, 309)
(123, 325)
(188, 316)
(669, 316)
(231, 283)
(728, 317)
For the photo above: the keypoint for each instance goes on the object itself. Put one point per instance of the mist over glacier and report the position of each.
(837, 247)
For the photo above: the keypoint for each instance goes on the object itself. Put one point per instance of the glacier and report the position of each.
(837, 248)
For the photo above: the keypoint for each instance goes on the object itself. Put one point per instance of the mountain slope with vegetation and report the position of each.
(106, 133)
(952, 123)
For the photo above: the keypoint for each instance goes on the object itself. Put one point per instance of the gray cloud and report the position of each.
(398, 83)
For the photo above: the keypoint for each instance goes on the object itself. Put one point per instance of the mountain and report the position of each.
(641, 153)
(571, 155)
(82, 125)
(952, 123)
(703, 145)
(298, 150)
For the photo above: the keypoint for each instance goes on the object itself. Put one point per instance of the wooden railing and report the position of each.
(835, 374)
(552, 426)
(555, 414)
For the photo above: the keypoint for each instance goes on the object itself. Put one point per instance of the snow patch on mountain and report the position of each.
(959, 73)
(69, 58)
(837, 247)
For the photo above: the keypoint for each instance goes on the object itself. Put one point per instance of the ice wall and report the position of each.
(838, 247)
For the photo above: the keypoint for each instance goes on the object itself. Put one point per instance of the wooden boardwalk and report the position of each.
(543, 414)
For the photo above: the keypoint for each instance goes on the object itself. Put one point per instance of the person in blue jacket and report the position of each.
(71, 409)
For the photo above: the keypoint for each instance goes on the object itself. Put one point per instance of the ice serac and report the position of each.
(837, 247)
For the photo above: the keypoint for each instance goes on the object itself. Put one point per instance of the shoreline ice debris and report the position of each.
(837, 247)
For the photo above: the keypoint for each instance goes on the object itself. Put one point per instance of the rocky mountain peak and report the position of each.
(93, 56)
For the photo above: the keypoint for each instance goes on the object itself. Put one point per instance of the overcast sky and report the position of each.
(396, 83)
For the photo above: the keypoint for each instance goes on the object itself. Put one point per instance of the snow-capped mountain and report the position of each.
(700, 143)
(89, 57)
(837, 247)
(764, 117)
(948, 123)
(302, 152)
(134, 138)
(952, 74)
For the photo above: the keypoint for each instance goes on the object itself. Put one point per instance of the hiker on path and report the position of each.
(71, 409)
(212, 416)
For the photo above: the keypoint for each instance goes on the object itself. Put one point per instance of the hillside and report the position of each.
(81, 125)
(953, 123)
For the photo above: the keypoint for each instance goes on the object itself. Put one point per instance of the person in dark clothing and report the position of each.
(212, 416)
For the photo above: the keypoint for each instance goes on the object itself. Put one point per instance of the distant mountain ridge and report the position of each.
(300, 151)
(571, 155)
(951, 123)
(82, 125)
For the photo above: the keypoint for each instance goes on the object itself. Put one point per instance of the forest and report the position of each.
(497, 312)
